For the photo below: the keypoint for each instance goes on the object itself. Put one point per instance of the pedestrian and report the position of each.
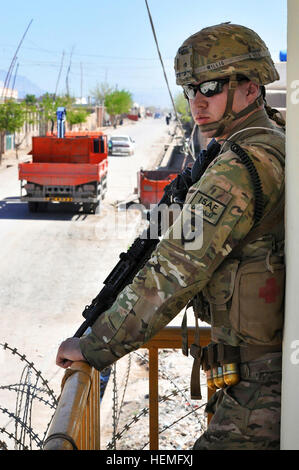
(235, 279)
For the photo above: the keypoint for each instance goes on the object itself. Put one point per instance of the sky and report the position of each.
(112, 41)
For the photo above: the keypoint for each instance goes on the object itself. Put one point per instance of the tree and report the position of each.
(30, 108)
(30, 100)
(100, 92)
(76, 116)
(12, 118)
(48, 107)
(182, 108)
(118, 102)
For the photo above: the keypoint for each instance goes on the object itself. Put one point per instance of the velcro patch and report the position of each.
(212, 208)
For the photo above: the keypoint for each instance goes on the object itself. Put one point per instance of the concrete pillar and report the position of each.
(290, 380)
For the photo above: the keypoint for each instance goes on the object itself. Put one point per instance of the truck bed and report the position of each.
(62, 173)
(151, 184)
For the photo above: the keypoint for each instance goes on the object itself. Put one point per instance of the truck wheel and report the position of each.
(96, 208)
(91, 207)
(42, 206)
(32, 206)
(86, 207)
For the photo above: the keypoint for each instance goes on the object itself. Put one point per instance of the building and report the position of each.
(276, 92)
(7, 93)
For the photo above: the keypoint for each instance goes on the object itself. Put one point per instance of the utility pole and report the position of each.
(81, 81)
(59, 74)
(68, 72)
(14, 80)
(7, 78)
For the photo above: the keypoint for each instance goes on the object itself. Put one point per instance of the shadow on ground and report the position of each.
(13, 208)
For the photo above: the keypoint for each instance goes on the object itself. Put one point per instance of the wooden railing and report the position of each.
(76, 423)
(168, 338)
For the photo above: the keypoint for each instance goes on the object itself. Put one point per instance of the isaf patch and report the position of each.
(212, 208)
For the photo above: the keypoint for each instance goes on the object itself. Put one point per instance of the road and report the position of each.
(53, 264)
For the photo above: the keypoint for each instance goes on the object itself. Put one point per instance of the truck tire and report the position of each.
(97, 207)
(91, 207)
(86, 207)
(42, 207)
(32, 206)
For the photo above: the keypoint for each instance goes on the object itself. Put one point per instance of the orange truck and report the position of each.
(68, 168)
(151, 184)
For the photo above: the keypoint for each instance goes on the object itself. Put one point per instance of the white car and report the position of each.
(121, 145)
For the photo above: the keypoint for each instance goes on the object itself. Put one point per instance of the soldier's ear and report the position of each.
(252, 88)
(252, 91)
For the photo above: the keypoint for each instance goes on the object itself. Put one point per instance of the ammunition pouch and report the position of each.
(215, 355)
(218, 354)
(226, 365)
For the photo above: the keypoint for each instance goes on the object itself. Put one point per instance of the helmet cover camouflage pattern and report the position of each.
(222, 50)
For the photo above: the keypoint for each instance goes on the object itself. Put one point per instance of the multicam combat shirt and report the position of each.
(175, 273)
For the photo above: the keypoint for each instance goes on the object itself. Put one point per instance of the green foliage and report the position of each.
(49, 105)
(118, 102)
(182, 108)
(76, 116)
(30, 100)
(12, 116)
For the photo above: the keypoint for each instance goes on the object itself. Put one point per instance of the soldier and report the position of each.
(236, 278)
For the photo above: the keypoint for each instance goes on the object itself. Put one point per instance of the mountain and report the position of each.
(23, 85)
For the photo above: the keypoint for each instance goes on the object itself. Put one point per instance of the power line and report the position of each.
(100, 56)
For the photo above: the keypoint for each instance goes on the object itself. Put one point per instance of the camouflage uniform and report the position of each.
(247, 414)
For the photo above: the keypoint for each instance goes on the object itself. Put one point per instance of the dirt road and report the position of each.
(54, 263)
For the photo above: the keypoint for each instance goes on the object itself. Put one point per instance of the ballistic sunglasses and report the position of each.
(208, 88)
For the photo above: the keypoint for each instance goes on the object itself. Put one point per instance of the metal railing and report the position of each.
(76, 423)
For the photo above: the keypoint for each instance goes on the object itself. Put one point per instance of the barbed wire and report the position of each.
(177, 421)
(22, 357)
(112, 444)
(177, 391)
(164, 374)
(27, 390)
(34, 436)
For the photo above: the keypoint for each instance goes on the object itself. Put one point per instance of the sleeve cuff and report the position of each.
(96, 353)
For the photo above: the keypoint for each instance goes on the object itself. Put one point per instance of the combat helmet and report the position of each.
(225, 50)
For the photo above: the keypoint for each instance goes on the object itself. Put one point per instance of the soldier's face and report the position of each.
(206, 110)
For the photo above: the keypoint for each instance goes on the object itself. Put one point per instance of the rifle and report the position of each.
(139, 253)
(126, 269)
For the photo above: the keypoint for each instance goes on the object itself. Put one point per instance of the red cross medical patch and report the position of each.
(269, 291)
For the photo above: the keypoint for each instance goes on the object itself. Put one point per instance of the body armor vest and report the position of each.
(243, 301)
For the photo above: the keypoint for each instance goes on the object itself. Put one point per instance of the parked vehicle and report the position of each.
(69, 168)
(151, 183)
(121, 145)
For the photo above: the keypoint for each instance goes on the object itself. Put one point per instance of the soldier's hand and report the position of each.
(69, 351)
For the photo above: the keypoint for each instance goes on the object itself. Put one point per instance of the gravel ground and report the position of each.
(181, 421)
